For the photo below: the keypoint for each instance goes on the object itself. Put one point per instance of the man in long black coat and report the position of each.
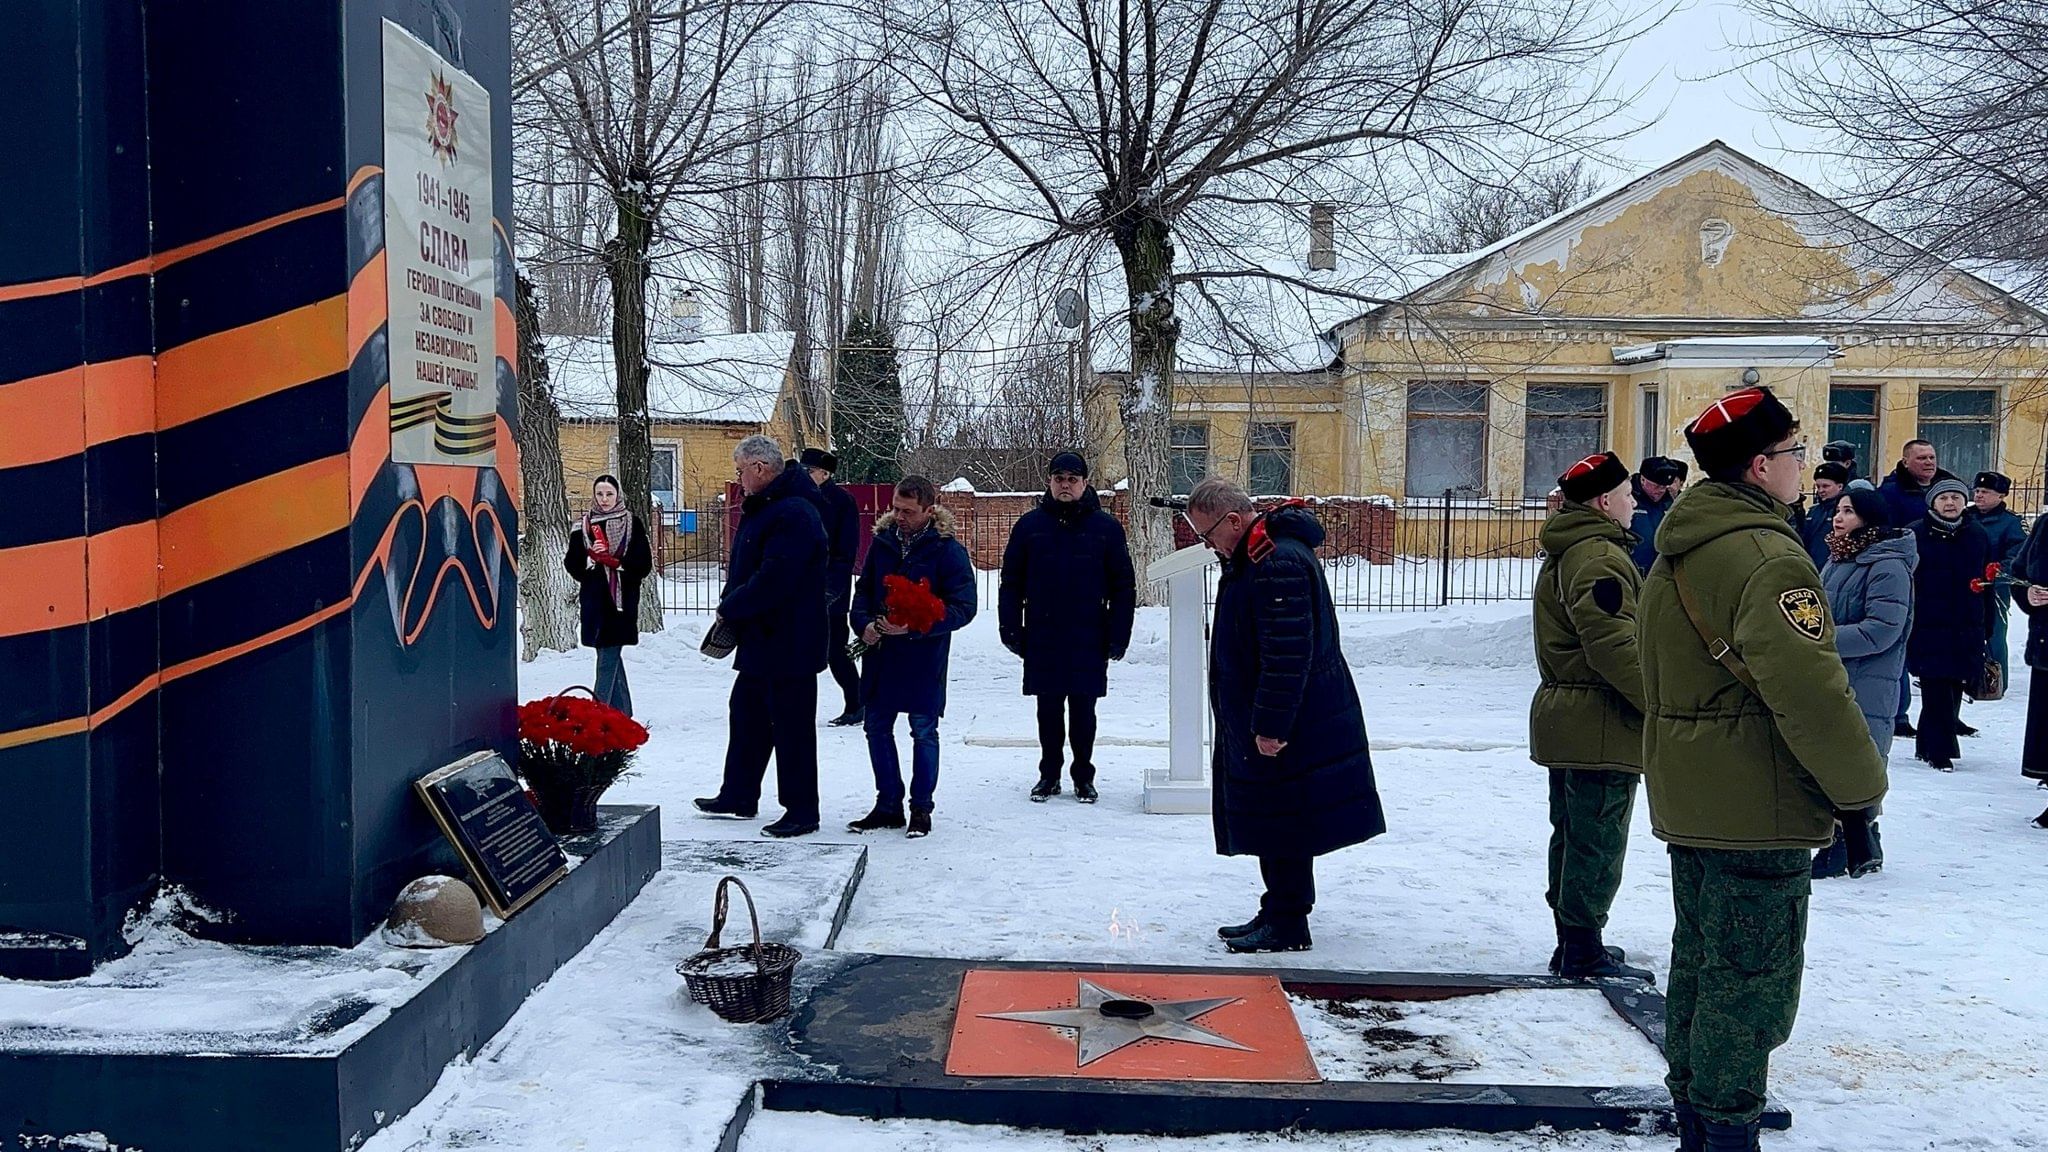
(1291, 766)
(1065, 605)
(842, 544)
(774, 599)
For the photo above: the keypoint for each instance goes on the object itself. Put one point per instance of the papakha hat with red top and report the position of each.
(1593, 477)
(1737, 428)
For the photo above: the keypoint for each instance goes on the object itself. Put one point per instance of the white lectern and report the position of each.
(1183, 785)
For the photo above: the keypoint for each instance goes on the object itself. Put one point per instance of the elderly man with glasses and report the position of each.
(1291, 766)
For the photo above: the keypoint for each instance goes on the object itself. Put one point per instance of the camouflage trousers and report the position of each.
(1589, 814)
(1737, 953)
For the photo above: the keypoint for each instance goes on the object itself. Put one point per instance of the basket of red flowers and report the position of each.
(572, 748)
(907, 604)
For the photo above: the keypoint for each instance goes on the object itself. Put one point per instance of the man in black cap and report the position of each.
(1828, 482)
(842, 535)
(1066, 602)
(1657, 483)
(1586, 722)
(2008, 535)
(1752, 742)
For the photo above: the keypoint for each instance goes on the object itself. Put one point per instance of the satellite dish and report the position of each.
(1069, 308)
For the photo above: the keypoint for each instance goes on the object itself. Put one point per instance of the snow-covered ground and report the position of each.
(1924, 1003)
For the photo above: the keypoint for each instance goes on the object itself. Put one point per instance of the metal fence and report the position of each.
(1378, 556)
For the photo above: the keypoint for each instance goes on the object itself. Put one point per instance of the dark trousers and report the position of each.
(838, 634)
(775, 715)
(611, 686)
(2034, 753)
(1738, 950)
(924, 759)
(1905, 714)
(1056, 715)
(1290, 887)
(1941, 709)
(1589, 815)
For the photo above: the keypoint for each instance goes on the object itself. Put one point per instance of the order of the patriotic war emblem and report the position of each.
(1805, 611)
(441, 116)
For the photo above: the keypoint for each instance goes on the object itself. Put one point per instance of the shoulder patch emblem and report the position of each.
(1805, 611)
(1607, 594)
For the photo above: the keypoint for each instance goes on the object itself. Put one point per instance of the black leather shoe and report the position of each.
(1904, 730)
(920, 826)
(1963, 729)
(790, 826)
(2041, 821)
(878, 819)
(1045, 789)
(1274, 936)
(849, 718)
(713, 806)
(1084, 791)
(1240, 931)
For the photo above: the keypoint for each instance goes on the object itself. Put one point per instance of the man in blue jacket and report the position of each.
(1657, 483)
(774, 599)
(2008, 535)
(904, 669)
(842, 545)
(1905, 491)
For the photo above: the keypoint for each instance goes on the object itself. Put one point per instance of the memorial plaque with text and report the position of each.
(484, 811)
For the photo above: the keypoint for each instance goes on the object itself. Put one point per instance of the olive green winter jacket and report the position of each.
(1588, 711)
(1728, 766)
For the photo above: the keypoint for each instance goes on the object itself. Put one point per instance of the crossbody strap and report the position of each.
(1718, 648)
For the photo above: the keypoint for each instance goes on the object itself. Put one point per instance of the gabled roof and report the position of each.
(730, 379)
(1913, 286)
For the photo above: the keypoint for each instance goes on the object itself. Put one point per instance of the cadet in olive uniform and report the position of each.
(1586, 722)
(1752, 741)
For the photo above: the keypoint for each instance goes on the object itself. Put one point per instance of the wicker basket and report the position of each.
(719, 978)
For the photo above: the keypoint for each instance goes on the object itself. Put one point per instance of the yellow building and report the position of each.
(704, 396)
(1611, 324)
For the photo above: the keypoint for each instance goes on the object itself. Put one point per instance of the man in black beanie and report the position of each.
(1586, 722)
(842, 537)
(1752, 742)
(1066, 603)
(1828, 482)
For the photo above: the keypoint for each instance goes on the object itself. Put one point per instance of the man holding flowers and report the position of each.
(916, 590)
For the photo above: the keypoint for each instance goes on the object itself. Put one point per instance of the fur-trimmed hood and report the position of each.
(942, 521)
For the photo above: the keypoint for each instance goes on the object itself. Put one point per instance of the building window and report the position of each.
(1322, 237)
(1271, 471)
(661, 476)
(1187, 457)
(1962, 424)
(1446, 439)
(1650, 432)
(1852, 416)
(1567, 423)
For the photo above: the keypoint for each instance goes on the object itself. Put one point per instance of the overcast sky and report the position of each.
(1692, 70)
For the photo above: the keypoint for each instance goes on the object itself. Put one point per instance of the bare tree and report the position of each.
(640, 93)
(1485, 210)
(1938, 113)
(547, 601)
(1163, 129)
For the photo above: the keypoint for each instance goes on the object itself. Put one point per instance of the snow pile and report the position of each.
(1483, 636)
(1520, 1036)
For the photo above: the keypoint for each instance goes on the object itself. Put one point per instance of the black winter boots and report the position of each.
(1584, 957)
(1692, 1136)
(1862, 849)
(877, 820)
(1047, 786)
(1240, 931)
(1729, 1137)
(1557, 953)
(1084, 783)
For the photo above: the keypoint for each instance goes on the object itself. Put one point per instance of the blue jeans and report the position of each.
(924, 759)
(611, 680)
(1905, 697)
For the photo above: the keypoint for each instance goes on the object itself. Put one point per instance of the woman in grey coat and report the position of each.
(1869, 582)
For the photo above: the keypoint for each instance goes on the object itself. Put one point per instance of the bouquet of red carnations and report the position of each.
(906, 604)
(572, 748)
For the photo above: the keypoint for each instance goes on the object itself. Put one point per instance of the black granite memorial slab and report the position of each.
(485, 812)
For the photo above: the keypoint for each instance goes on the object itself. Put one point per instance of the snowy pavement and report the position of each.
(1923, 1005)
